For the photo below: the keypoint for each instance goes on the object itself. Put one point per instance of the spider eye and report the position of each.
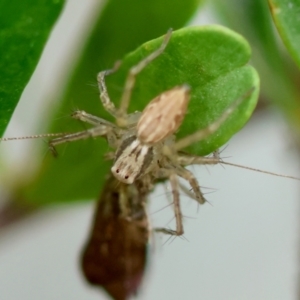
(126, 177)
(118, 171)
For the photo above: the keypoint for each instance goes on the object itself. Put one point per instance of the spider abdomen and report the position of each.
(163, 115)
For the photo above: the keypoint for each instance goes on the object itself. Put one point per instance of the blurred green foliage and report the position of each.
(25, 27)
(279, 75)
(286, 14)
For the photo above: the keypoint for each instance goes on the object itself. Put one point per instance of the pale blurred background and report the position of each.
(243, 245)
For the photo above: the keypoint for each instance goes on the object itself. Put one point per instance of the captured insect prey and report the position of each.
(114, 256)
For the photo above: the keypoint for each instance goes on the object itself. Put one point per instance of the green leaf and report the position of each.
(216, 58)
(24, 29)
(286, 16)
(211, 59)
(252, 19)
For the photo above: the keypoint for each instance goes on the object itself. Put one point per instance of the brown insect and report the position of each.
(114, 256)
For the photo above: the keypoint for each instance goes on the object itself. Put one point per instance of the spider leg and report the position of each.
(176, 201)
(112, 135)
(186, 159)
(130, 81)
(187, 175)
(105, 99)
(125, 120)
(187, 192)
(91, 119)
(93, 132)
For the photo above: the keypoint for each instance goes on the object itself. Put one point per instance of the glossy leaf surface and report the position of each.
(286, 14)
(24, 29)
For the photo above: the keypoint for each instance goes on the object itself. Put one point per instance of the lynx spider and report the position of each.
(145, 145)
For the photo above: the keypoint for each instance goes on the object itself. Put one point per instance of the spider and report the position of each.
(144, 143)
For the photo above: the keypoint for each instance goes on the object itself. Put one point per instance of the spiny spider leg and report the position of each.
(177, 210)
(130, 81)
(187, 160)
(106, 102)
(93, 132)
(187, 175)
(188, 192)
(213, 127)
(91, 119)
